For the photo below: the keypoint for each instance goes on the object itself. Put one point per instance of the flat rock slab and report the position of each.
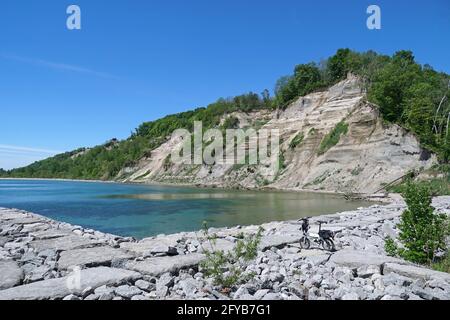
(415, 272)
(6, 214)
(90, 257)
(64, 243)
(357, 258)
(24, 220)
(161, 265)
(147, 246)
(61, 287)
(218, 245)
(10, 274)
(51, 234)
(311, 253)
(278, 241)
(35, 227)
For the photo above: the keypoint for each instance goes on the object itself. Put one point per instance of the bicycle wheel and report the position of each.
(305, 243)
(328, 244)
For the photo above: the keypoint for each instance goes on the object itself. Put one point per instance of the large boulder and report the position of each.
(69, 242)
(160, 265)
(356, 258)
(10, 274)
(91, 257)
(150, 246)
(218, 245)
(415, 272)
(50, 233)
(278, 241)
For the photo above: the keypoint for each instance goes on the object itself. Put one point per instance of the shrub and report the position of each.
(356, 171)
(226, 268)
(231, 123)
(443, 265)
(332, 139)
(298, 139)
(422, 232)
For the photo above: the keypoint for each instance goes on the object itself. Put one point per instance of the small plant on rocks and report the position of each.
(226, 268)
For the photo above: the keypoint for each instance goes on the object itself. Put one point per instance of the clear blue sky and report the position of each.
(136, 61)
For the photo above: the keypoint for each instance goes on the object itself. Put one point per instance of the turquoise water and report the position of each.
(146, 210)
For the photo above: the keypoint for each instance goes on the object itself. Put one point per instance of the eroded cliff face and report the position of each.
(369, 155)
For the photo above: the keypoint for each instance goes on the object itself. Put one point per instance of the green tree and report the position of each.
(418, 111)
(306, 79)
(422, 232)
(338, 65)
(392, 83)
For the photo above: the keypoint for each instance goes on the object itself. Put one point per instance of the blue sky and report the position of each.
(136, 61)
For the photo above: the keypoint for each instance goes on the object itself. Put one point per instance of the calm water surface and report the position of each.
(143, 210)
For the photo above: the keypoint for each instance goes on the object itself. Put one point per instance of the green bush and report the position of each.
(443, 264)
(332, 139)
(422, 231)
(226, 268)
(231, 123)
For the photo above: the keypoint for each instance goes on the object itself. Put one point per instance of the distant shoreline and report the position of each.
(55, 179)
(367, 197)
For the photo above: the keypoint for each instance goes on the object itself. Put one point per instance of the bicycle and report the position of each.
(325, 238)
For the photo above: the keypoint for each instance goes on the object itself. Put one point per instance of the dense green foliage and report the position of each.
(332, 139)
(226, 268)
(306, 79)
(411, 95)
(423, 232)
(101, 162)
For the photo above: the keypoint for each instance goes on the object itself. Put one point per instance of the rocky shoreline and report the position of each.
(45, 259)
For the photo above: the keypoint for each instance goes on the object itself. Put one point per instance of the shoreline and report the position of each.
(36, 251)
(379, 197)
(57, 179)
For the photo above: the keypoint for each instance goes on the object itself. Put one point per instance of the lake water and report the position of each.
(147, 210)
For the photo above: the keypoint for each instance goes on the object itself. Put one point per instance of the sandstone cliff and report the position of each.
(368, 155)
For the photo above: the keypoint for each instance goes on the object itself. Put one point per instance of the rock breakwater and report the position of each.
(45, 259)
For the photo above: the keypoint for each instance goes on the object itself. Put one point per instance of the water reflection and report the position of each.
(148, 210)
